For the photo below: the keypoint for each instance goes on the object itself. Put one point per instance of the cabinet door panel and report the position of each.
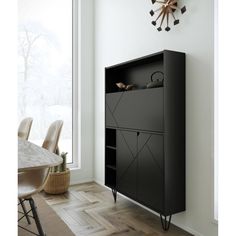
(112, 101)
(150, 182)
(126, 162)
(141, 110)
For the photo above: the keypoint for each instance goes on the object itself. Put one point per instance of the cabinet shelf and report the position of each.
(136, 130)
(110, 177)
(112, 186)
(111, 147)
(110, 137)
(134, 90)
(111, 167)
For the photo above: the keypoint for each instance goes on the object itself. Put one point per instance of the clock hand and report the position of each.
(163, 17)
(160, 14)
(173, 2)
(168, 2)
(158, 9)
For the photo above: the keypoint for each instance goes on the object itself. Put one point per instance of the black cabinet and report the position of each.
(145, 133)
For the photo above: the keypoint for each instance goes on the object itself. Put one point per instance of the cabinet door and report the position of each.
(150, 176)
(126, 162)
(138, 109)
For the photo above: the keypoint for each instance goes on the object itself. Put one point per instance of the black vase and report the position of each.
(156, 82)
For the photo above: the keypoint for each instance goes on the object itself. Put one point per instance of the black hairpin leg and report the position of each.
(114, 192)
(24, 210)
(36, 217)
(164, 222)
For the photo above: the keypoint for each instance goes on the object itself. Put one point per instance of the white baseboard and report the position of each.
(100, 183)
(81, 180)
(184, 227)
(79, 176)
(187, 229)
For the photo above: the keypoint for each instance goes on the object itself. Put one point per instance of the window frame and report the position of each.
(75, 89)
(216, 115)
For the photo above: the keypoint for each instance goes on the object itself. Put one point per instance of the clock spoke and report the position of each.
(173, 2)
(176, 21)
(155, 22)
(153, 12)
(167, 20)
(163, 17)
(174, 7)
(183, 9)
(173, 15)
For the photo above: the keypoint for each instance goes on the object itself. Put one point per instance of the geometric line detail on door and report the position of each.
(120, 131)
(117, 103)
(136, 156)
(154, 159)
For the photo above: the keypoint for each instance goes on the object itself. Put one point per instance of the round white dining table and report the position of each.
(31, 156)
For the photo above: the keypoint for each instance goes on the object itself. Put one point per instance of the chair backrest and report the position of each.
(51, 144)
(24, 128)
(51, 140)
(38, 177)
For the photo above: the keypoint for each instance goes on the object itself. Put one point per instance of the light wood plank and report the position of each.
(89, 209)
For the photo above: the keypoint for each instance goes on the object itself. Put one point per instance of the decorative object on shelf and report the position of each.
(156, 82)
(167, 8)
(59, 178)
(122, 86)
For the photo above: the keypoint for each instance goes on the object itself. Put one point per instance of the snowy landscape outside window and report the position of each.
(45, 71)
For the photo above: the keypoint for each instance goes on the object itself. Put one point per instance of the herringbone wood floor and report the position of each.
(89, 209)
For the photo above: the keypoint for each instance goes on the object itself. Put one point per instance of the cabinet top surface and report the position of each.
(150, 56)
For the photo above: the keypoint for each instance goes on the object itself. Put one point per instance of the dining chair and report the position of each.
(33, 181)
(23, 133)
(24, 128)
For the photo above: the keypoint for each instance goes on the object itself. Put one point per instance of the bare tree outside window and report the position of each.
(45, 67)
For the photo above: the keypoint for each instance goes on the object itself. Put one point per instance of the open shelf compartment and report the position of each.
(110, 158)
(137, 72)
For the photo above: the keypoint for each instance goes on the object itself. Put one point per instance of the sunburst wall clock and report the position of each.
(166, 9)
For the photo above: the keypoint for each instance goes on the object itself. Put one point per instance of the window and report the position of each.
(46, 79)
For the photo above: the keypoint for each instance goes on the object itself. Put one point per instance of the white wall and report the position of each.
(123, 31)
(86, 93)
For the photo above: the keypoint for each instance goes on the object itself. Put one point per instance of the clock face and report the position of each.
(165, 10)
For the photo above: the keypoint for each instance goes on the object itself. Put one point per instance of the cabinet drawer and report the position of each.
(138, 109)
